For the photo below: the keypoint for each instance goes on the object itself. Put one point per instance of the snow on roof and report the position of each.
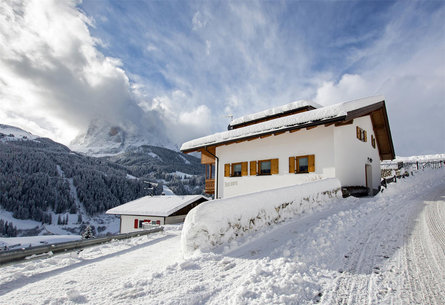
(328, 112)
(162, 206)
(273, 111)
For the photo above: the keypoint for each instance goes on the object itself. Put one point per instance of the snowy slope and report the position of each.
(383, 250)
(11, 133)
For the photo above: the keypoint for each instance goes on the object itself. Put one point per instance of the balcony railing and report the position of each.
(210, 186)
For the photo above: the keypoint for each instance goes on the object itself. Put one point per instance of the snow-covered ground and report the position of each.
(31, 241)
(11, 133)
(389, 249)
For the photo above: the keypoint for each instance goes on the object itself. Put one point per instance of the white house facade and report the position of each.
(283, 148)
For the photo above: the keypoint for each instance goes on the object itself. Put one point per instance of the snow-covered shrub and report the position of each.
(88, 233)
(219, 221)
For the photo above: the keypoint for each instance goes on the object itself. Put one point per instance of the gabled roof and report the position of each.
(161, 206)
(342, 112)
(272, 113)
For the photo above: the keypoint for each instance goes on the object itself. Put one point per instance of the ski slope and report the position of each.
(388, 249)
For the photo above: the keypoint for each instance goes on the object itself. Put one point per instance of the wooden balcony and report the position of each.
(210, 186)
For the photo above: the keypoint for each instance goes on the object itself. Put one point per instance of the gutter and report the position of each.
(217, 172)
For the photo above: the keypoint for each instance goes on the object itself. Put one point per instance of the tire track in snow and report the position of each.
(425, 256)
(355, 284)
(366, 278)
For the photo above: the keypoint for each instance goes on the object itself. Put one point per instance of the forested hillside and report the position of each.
(40, 176)
(165, 165)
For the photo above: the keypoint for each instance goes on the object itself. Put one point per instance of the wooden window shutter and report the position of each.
(291, 165)
(311, 163)
(365, 138)
(359, 136)
(227, 170)
(244, 169)
(274, 166)
(253, 168)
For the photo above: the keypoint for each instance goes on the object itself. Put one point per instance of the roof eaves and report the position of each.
(368, 110)
(364, 110)
(177, 208)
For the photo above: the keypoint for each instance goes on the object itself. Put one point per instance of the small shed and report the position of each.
(154, 210)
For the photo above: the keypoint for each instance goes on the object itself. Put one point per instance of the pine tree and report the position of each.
(88, 233)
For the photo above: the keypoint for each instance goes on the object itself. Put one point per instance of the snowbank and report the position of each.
(220, 221)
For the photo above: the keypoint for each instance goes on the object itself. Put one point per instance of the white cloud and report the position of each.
(53, 74)
(208, 47)
(51, 64)
(349, 87)
(408, 68)
(199, 21)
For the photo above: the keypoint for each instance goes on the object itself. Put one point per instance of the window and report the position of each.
(209, 171)
(265, 167)
(262, 167)
(236, 169)
(302, 164)
(373, 141)
(361, 134)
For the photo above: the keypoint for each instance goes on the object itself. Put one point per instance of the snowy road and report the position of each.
(389, 249)
(398, 257)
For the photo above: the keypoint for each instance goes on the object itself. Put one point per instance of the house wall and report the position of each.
(317, 141)
(338, 153)
(351, 154)
(127, 222)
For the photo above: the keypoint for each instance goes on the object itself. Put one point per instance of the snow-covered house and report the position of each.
(297, 143)
(154, 210)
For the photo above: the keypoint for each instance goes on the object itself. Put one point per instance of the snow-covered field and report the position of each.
(389, 249)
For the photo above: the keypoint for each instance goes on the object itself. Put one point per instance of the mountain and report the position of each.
(103, 138)
(45, 181)
(11, 133)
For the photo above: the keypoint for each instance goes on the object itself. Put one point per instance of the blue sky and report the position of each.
(182, 67)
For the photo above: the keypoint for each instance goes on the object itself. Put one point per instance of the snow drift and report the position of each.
(219, 221)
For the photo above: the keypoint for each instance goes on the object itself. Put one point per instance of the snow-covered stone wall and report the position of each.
(219, 221)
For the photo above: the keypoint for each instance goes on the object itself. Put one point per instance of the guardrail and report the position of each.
(22, 253)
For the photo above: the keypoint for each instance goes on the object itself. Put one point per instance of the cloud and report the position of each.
(178, 69)
(199, 21)
(52, 71)
(350, 86)
(233, 52)
(407, 65)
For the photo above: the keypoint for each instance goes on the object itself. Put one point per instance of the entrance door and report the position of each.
(368, 177)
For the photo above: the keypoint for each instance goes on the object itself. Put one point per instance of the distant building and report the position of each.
(298, 143)
(154, 210)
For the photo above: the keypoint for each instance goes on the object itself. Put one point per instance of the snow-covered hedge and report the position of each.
(219, 221)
